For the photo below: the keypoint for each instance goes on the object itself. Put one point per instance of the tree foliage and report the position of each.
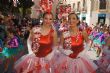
(25, 3)
(8, 5)
(5, 5)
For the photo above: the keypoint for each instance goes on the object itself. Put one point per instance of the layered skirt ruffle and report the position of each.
(31, 64)
(55, 62)
(65, 64)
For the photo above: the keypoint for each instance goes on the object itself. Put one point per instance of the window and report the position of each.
(78, 6)
(102, 4)
(84, 3)
(84, 8)
(73, 5)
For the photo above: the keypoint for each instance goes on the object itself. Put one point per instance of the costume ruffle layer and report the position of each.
(65, 64)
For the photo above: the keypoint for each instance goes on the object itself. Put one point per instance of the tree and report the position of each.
(25, 4)
(8, 5)
(5, 5)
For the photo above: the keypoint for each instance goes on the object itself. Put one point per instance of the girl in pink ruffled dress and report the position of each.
(70, 57)
(40, 43)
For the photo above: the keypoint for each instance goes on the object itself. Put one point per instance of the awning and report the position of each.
(101, 15)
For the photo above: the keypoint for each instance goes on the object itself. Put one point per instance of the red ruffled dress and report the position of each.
(37, 62)
(76, 62)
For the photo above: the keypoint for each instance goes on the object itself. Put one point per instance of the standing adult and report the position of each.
(71, 58)
(40, 43)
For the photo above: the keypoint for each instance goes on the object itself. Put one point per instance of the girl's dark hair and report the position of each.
(76, 17)
(11, 30)
(47, 13)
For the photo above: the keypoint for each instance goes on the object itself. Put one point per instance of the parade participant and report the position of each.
(99, 41)
(71, 58)
(104, 60)
(12, 47)
(41, 44)
(12, 44)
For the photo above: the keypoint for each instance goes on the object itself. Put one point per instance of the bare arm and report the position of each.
(61, 40)
(55, 38)
(85, 35)
(86, 39)
(29, 42)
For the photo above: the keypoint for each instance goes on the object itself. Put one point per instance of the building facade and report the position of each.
(92, 11)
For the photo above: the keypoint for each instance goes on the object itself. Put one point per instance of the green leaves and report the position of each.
(25, 3)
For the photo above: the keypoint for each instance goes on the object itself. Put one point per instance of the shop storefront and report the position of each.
(83, 17)
(101, 18)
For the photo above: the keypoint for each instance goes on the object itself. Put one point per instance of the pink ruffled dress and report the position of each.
(38, 62)
(75, 62)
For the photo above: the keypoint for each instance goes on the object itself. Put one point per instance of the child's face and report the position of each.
(48, 19)
(73, 21)
(10, 35)
(64, 21)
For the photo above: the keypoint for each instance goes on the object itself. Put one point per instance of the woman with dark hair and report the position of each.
(71, 58)
(41, 42)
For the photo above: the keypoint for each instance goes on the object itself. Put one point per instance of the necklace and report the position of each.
(76, 35)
